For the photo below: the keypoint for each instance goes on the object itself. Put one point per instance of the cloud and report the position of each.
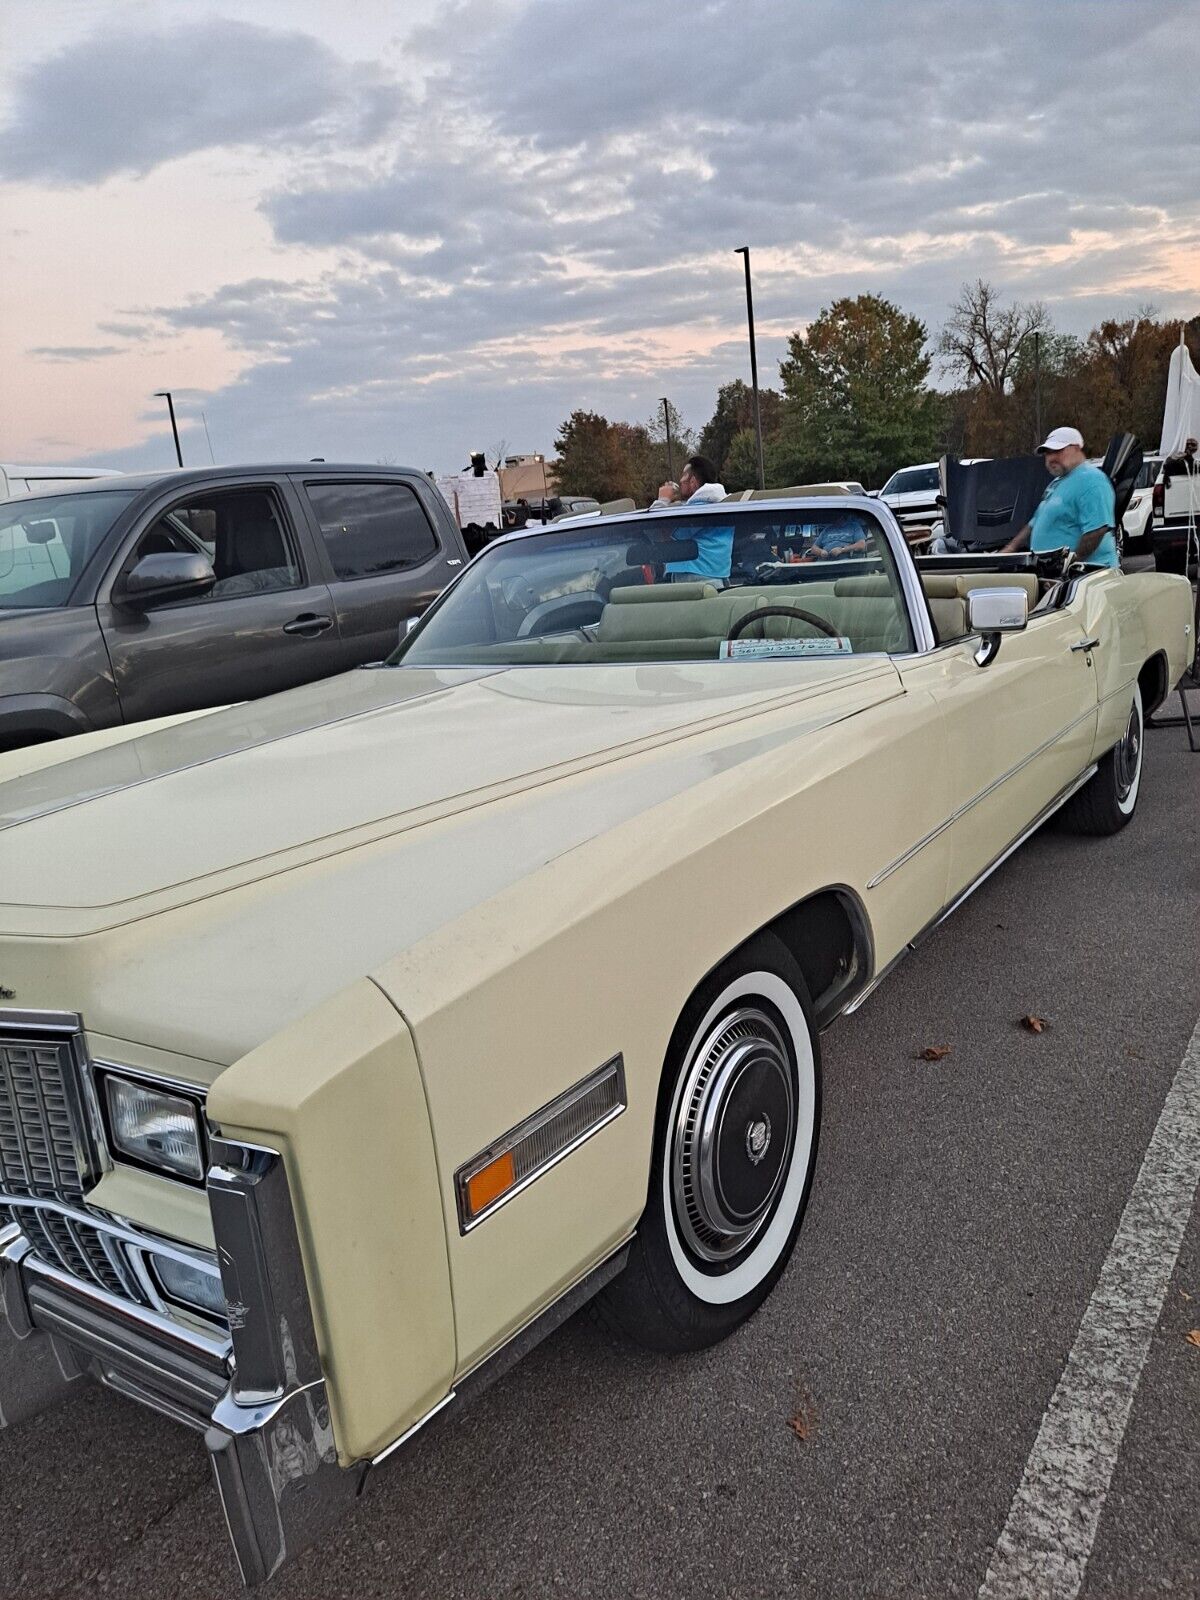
(125, 100)
(74, 352)
(548, 217)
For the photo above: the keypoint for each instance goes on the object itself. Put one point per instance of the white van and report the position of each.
(17, 481)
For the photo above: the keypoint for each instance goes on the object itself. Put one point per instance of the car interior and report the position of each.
(239, 533)
(608, 601)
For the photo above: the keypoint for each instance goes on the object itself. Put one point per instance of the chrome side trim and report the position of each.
(258, 1252)
(486, 1372)
(537, 1135)
(976, 799)
(270, 1439)
(951, 906)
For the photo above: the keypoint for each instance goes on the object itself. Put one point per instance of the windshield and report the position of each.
(46, 542)
(1149, 473)
(911, 481)
(724, 586)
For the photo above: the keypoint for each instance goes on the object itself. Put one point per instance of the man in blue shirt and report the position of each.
(1078, 510)
(714, 540)
(842, 536)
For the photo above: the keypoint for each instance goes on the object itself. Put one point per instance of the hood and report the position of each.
(912, 497)
(175, 815)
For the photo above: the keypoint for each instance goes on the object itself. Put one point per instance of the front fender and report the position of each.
(339, 1095)
(40, 714)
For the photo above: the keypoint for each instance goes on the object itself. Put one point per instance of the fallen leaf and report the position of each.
(1185, 1294)
(1194, 1337)
(1034, 1024)
(933, 1052)
(804, 1423)
(1134, 1055)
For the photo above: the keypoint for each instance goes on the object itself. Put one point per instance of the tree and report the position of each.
(855, 397)
(683, 442)
(980, 340)
(734, 413)
(740, 467)
(643, 459)
(592, 458)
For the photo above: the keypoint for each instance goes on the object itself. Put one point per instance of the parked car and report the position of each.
(1175, 514)
(18, 480)
(135, 597)
(912, 494)
(1135, 524)
(352, 1038)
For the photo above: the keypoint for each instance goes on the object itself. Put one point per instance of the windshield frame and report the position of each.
(920, 621)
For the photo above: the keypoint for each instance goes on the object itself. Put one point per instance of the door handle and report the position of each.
(1086, 644)
(308, 625)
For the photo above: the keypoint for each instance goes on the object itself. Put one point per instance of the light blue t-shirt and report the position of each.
(714, 551)
(1076, 504)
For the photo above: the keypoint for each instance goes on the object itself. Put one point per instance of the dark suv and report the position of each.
(133, 597)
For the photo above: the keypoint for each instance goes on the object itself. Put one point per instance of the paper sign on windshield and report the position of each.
(762, 649)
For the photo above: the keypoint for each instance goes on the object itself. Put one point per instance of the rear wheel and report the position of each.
(734, 1151)
(1107, 801)
(1170, 560)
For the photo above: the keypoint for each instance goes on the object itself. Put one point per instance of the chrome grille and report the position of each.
(37, 1144)
(43, 1146)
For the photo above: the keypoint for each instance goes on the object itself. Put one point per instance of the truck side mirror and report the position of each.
(157, 579)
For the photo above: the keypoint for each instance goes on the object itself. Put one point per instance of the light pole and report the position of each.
(670, 451)
(165, 394)
(744, 250)
(1035, 335)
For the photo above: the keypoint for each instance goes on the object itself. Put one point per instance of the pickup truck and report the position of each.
(135, 597)
(353, 1038)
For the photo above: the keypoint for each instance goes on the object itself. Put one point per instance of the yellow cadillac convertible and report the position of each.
(351, 1038)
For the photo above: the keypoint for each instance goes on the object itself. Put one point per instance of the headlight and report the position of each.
(154, 1127)
(190, 1284)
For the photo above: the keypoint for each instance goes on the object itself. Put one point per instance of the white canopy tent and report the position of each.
(1181, 413)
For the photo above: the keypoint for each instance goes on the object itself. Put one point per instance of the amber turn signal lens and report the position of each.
(489, 1183)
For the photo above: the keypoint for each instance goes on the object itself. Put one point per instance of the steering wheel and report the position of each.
(819, 623)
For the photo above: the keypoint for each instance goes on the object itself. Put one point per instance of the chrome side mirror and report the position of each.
(993, 612)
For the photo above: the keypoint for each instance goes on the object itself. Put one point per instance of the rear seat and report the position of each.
(680, 611)
(659, 619)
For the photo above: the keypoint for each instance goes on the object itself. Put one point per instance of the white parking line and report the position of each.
(1044, 1547)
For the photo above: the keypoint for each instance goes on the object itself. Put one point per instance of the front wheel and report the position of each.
(734, 1150)
(1107, 801)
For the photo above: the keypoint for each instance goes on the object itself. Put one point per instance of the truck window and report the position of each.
(240, 531)
(46, 541)
(371, 528)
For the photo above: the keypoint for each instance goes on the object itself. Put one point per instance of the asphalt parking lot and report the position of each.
(867, 1432)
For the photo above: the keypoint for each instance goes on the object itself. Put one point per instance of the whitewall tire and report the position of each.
(734, 1152)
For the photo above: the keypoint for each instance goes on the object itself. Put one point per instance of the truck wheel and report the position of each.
(734, 1150)
(1107, 801)
(1170, 561)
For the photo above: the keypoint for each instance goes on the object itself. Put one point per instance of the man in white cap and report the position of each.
(1078, 510)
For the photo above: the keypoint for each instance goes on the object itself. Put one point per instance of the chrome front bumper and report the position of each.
(257, 1393)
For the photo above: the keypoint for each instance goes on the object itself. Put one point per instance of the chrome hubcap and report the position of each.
(1129, 754)
(733, 1134)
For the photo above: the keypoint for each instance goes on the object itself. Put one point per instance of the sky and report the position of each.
(402, 232)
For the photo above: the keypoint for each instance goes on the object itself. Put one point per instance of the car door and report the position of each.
(387, 562)
(268, 623)
(1019, 730)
